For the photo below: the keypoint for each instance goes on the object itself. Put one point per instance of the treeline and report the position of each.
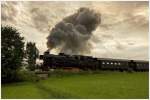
(14, 52)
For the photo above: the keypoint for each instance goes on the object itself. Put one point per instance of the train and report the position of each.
(64, 61)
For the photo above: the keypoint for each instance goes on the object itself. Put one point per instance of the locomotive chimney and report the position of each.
(47, 52)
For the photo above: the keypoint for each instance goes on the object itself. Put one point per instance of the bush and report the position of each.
(27, 76)
(62, 73)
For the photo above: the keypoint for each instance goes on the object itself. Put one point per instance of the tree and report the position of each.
(31, 53)
(12, 53)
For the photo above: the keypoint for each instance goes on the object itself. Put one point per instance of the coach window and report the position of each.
(111, 63)
(119, 63)
(107, 62)
(139, 64)
(103, 63)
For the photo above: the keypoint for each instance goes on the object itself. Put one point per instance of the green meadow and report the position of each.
(87, 85)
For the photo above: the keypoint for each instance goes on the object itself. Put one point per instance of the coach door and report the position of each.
(132, 64)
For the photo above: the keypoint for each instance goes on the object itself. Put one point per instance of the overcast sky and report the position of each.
(123, 32)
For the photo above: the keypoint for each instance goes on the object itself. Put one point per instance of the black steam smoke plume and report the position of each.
(73, 33)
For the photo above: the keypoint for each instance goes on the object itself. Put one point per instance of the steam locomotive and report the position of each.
(62, 60)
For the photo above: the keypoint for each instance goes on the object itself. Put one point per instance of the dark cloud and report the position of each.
(119, 46)
(39, 19)
(9, 12)
(107, 36)
(131, 43)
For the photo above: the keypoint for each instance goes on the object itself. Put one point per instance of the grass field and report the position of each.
(98, 85)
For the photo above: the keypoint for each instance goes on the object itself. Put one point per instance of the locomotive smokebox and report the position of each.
(47, 52)
(41, 57)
